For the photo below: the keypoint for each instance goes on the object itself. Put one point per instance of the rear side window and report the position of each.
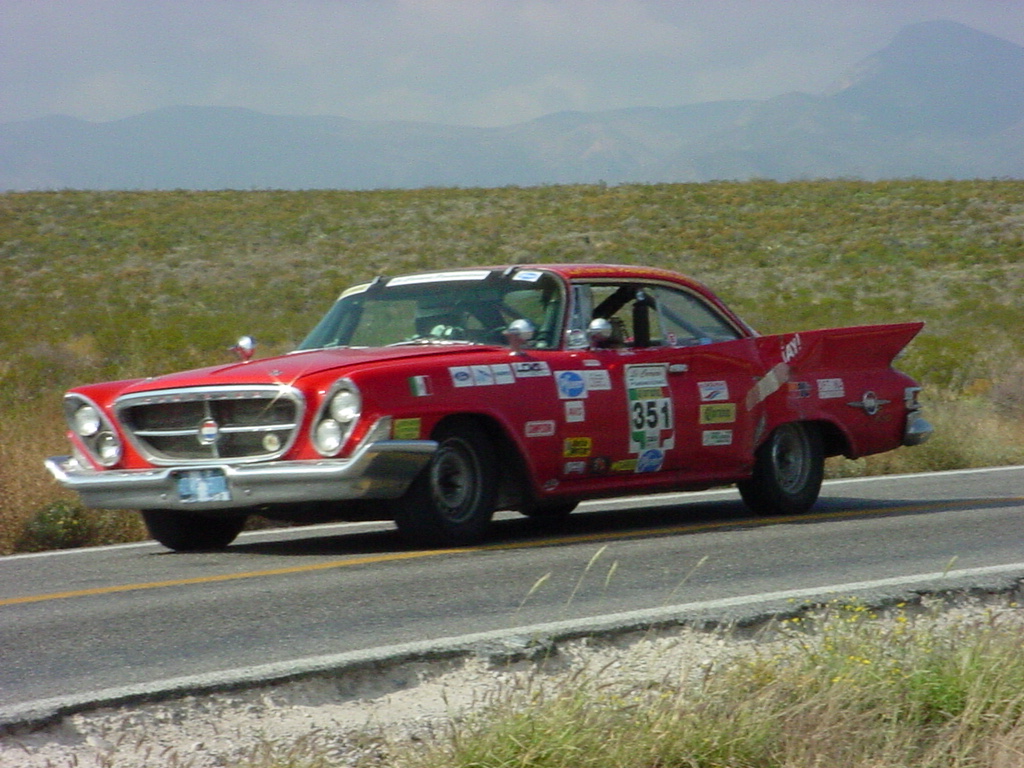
(686, 319)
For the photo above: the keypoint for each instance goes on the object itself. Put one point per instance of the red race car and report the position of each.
(435, 399)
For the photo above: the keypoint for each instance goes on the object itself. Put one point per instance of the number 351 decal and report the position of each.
(650, 405)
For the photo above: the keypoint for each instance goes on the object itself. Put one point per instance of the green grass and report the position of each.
(108, 285)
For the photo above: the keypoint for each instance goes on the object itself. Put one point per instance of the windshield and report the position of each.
(469, 307)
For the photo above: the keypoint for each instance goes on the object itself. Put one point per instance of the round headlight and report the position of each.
(345, 406)
(108, 448)
(86, 421)
(328, 437)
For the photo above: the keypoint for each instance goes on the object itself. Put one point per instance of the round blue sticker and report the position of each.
(650, 460)
(571, 384)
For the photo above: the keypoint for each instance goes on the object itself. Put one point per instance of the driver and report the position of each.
(438, 321)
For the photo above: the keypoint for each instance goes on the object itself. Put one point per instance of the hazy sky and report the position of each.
(472, 62)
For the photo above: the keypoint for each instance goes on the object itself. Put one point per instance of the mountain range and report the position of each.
(941, 101)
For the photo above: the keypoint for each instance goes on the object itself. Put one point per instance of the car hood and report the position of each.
(289, 369)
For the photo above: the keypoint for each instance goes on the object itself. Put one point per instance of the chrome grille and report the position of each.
(250, 423)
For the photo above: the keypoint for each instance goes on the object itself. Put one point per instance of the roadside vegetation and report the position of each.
(843, 687)
(936, 684)
(109, 285)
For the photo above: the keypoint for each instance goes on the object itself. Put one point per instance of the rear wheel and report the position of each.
(191, 532)
(788, 470)
(452, 500)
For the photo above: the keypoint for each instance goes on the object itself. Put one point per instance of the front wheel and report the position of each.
(191, 532)
(452, 500)
(788, 470)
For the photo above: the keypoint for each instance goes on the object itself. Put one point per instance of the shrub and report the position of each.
(66, 525)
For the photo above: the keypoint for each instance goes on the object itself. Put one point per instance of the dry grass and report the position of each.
(840, 688)
(108, 285)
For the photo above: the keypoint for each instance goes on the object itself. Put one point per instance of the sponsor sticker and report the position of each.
(713, 391)
(420, 386)
(719, 413)
(476, 375)
(527, 369)
(461, 376)
(574, 468)
(539, 428)
(597, 380)
(528, 276)
(577, 447)
(646, 376)
(624, 465)
(503, 374)
(650, 460)
(831, 388)
(799, 389)
(575, 410)
(791, 349)
(407, 429)
(571, 384)
(482, 375)
(715, 437)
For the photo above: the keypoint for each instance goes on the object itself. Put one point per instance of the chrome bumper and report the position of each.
(378, 470)
(917, 430)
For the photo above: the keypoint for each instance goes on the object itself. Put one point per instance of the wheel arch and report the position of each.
(513, 475)
(834, 439)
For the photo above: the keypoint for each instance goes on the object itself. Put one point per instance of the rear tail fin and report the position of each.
(855, 347)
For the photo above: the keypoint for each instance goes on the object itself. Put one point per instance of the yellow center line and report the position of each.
(561, 540)
(225, 577)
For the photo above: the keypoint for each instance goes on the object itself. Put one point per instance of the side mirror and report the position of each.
(518, 333)
(245, 347)
(599, 331)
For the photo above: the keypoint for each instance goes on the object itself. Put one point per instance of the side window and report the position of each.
(631, 309)
(686, 319)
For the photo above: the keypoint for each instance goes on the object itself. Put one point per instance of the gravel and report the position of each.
(350, 718)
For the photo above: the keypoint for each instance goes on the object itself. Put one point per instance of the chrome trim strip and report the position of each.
(225, 430)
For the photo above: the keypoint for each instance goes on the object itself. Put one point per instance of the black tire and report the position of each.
(555, 510)
(788, 470)
(191, 532)
(452, 500)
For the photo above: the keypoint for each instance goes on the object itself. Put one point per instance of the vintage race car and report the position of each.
(435, 399)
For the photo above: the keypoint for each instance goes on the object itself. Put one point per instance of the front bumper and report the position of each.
(378, 470)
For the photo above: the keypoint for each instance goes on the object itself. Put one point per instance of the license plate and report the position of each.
(198, 485)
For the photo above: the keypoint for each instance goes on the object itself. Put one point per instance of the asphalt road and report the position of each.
(116, 623)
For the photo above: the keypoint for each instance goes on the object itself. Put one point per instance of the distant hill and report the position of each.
(941, 101)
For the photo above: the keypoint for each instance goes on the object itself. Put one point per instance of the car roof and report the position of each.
(611, 271)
